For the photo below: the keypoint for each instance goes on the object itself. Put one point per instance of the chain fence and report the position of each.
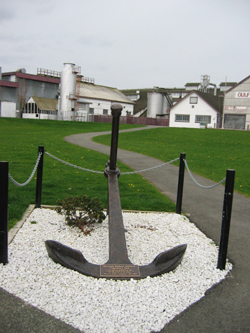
(149, 169)
(101, 172)
(30, 177)
(72, 165)
(195, 181)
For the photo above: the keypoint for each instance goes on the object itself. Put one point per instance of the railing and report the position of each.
(87, 79)
(48, 72)
(131, 120)
(4, 176)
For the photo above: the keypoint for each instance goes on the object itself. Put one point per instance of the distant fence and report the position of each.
(130, 120)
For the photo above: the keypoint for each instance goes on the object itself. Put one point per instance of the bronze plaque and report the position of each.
(119, 271)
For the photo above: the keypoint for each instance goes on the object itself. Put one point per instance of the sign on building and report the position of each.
(242, 94)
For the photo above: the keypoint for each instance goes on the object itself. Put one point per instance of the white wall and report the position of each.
(8, 109)
(185, 108)
(39, 116)
(100, 105)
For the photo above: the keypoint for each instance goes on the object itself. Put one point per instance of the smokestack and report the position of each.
(0, 73)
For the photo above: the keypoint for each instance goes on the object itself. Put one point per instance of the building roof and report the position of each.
(8, 84)
(45, 104)
(230, 84)
(246, 78)
(32, 77)
(103, 93)
(192, 84)
(141, 103)
(214, 101)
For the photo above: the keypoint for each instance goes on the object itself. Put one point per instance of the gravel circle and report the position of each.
(100, 305)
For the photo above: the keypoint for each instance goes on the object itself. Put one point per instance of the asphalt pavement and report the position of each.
(226, 306)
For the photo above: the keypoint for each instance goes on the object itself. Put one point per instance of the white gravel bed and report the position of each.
(100, 305)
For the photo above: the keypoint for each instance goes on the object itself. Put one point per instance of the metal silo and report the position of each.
(68, 92)
(155, 104)
(165, 104)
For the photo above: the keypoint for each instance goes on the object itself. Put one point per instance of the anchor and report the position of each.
(118, 267)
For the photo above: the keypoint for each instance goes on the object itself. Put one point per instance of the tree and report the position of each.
(22, 94)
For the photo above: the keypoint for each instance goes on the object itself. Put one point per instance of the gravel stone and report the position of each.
(100, 305)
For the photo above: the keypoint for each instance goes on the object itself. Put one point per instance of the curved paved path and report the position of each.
(226, 307)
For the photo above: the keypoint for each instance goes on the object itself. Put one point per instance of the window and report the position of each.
(105, 111)
(203, 119)
(91, 110)
(182, 117)
(193, 100)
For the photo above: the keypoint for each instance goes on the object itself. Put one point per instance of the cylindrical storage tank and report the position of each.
(165, 104)
(155, 104)
(68, 91)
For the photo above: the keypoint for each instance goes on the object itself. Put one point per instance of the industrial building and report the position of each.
(225, 106)
(68, 95)
(236, 112)
(53, 95)
(17, 87)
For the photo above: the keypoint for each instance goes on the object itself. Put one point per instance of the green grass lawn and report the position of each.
(20, 139)
(209, 152)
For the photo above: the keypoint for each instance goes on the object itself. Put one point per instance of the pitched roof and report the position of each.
(8, 84)
(214, 101)
(104, 93)
(246, 78)
(45, 104)
(230, 84)
(32, 77)
(142, 102)
(192, 84)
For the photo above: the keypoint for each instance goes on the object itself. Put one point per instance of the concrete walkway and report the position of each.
(226, 307)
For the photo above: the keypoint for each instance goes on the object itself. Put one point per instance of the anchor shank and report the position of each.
(117, 243)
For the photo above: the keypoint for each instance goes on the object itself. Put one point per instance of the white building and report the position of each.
(40, 108)
(81, 100)
(100, 98)
(236, 111)
(197, 109)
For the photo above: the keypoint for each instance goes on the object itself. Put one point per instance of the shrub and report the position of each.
(81, 212)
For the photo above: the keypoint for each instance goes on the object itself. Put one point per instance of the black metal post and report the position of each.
(39, 178)
(4, 184)
(180, 183)
(226, 218)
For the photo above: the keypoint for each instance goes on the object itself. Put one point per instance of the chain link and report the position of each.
(72, 165)
(149, 169)
(195, 181)
(101, 172)
(31, 176)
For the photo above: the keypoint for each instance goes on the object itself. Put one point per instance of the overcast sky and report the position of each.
(129, 43)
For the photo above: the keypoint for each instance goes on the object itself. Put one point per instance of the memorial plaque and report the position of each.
(119, 271)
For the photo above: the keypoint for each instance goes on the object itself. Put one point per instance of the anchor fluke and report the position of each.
(173, 255)
(164, 262)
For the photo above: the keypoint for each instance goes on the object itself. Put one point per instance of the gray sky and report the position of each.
(129, 43)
